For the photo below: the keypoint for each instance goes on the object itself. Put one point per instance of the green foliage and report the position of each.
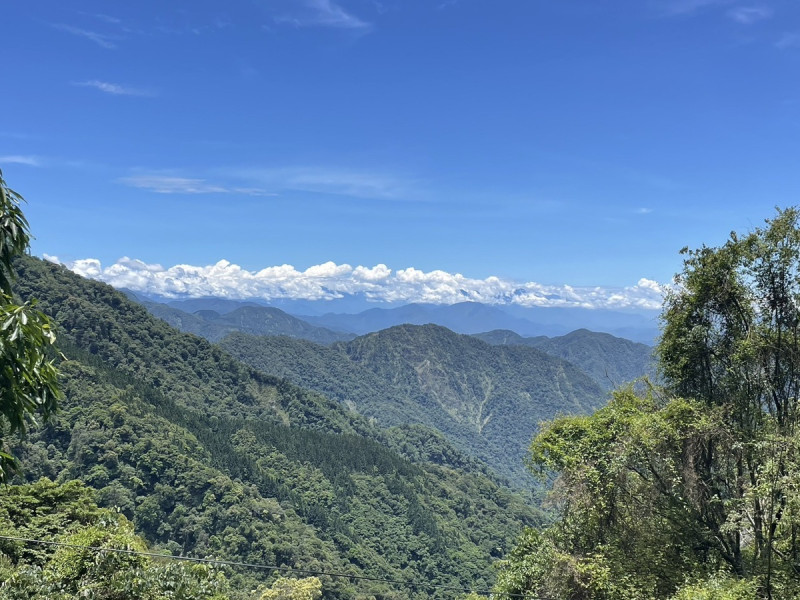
(703, 477)
(28, 377)
(719, 587)
(285, 588)
(81, 561)
(14, 234)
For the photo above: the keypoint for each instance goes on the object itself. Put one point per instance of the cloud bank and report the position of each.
(329, 281)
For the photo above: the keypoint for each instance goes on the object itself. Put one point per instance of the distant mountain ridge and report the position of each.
(611, 361)
(474, 317)
(247, 318)
(463, 317)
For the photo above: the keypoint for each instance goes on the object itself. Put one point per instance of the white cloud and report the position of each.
(330, 14)
(327, 180)
(103, 17)
(747, 15)
(379, 283)
(167, 184)
(259, 181)
(102, 40)
(114, 88)
(321, 13)
(18, 159)
(686, 7)
(162, 184)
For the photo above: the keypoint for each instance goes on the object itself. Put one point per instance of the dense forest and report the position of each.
(205, 456)
(487, 400)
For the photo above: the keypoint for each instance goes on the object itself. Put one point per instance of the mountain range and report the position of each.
(464, 317)
(486, 393)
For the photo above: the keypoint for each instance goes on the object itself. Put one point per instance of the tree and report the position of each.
(286, 588)
(731, 339)
(691, 489)
(96, 554)
(28, 377)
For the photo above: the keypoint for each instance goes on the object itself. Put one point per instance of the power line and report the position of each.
(263, 567)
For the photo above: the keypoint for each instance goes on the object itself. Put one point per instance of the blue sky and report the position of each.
(571, 142)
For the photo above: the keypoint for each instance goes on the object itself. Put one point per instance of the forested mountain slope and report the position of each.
(611, 361)
(209, 457)
(488, 400)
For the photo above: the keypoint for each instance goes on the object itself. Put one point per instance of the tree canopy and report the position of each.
(691, 490)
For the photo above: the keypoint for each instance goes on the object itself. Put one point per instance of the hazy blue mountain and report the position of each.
(464, 317)
(218, 305)
(355, 313)
(473, 317)
(609, 360)
(640, 326)
(487, 400)
(251, 318)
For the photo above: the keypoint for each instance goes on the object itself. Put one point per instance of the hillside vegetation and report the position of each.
(206, 456)
(487, 400)
(690, 491)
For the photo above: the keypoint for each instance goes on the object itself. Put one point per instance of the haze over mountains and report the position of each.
(464, 317)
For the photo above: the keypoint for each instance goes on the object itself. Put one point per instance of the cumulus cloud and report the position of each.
(114, 89)
(379, 283)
